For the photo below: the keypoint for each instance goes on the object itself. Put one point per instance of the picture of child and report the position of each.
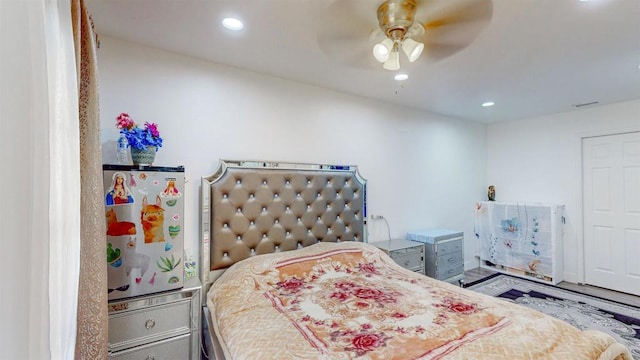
(118, 193)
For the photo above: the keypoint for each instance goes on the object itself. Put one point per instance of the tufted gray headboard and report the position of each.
(253, 207)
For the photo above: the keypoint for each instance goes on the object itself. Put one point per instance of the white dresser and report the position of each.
(443, 253)
(157, 326)
(408, 254)
(521, 239)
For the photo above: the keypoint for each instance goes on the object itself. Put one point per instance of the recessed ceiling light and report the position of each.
(401, 77)
(232, 24)
(488, 103)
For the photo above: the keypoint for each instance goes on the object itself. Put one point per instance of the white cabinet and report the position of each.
(444, 255)
(522, 239)
(157, 326)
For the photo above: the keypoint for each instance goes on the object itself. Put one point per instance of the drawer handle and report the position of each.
(149, 324)
(451, 259)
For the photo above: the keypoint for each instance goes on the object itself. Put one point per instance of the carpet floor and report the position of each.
(580, 310)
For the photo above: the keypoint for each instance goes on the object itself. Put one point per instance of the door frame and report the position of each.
(581, 263)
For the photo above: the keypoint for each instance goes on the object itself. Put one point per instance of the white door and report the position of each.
(611, 198)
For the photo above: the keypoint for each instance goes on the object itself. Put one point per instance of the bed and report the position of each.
(288, 274)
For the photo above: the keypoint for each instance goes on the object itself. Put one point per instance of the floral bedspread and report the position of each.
(351, 301)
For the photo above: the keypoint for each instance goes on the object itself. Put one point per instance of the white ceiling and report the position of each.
(531, 57)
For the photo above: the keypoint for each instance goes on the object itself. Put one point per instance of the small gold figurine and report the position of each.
(492, 193)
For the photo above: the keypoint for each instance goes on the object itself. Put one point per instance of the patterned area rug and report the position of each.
(580, 310)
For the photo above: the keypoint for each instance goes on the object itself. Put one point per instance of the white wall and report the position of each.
(423, 170)
(539, 160)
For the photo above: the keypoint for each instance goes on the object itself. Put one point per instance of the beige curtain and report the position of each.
(91, 341)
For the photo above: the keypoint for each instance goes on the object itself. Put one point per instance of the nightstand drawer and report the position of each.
(446, 273)
(409, 261)
(449, 247)
(445, 266)
(169, 349)
(407, 251)
(408, 254)
(449, 260)
(150, 324)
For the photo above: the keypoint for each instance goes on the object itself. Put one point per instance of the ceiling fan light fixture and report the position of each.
(393, 63)
(382, 50)
(412, 49)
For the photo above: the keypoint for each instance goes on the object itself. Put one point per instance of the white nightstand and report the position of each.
(408, 254)
(157, 326)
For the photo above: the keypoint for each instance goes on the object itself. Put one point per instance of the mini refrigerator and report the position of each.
(144, 212)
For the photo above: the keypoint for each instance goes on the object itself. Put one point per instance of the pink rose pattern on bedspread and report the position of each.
(352, 302)
(341, 302)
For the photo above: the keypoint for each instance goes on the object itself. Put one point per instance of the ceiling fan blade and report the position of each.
(344, 29)
(436, 52)
(353, 52)
(435, 13)
(452, 25)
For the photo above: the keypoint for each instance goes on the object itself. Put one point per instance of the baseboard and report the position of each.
(571, 277)
(471, 264)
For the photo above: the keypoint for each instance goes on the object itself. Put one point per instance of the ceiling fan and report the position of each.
(351, 31)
